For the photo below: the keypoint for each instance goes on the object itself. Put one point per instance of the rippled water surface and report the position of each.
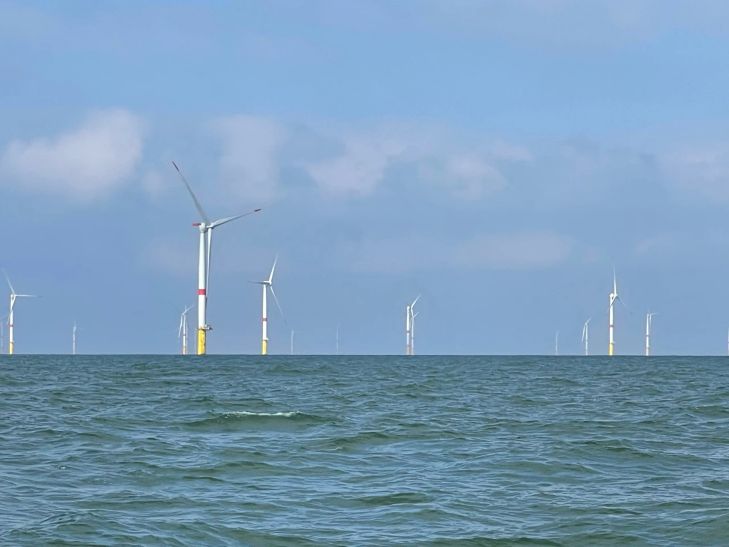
(364, 450)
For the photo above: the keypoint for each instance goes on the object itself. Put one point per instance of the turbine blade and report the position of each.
(225, 220)
(273, 268)
(415, 301)
(7, 278)
(179, 330)
(273, 293)
(193, 196)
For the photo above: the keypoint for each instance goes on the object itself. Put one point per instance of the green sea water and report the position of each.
(230, 450)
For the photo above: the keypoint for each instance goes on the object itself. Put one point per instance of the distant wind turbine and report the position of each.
(206, 227)
(648, 331)
(267, 285)
(410, 315)
(11, 314)
(182, 330)
(292, 342)
(586, 336)
(556, 343)
(611, 316)
(73, 339)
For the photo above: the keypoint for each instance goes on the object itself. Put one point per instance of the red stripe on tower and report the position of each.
(201, 292)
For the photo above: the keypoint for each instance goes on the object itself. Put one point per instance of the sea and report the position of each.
(364, 450)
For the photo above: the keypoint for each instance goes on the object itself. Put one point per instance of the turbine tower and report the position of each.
(182, 331)
(73, 339)
(267, 285)
(556, 343)
(611, 317)
(205, 227)
(410, 315)
(648, 330)
(586, 336)
(11, 315)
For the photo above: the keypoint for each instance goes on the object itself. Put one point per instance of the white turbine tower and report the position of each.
(410, 315)
(292, 343)
(73, 339)
(586, 336)
(11, 315)
(556, 343)
(412, 330)
(182, 331)
(205, 227)
(267, 285)
(611, 316)
(648, 332)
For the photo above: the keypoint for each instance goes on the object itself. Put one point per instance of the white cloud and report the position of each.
(466, 171)
(504, 251)
(471, 177)
(360, 168)
(84, 164)
(249, 164)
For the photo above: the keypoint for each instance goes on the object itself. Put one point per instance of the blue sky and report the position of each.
(498, 157)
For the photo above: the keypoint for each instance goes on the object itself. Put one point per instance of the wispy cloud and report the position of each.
(84, 164)
(369, 159)
(701, 171)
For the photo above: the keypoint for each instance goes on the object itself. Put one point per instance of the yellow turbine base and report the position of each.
(264, 347)
(611, 349)
(201, 349)
(11, 348)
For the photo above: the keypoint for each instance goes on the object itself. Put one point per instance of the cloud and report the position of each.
(250, 162)
(84, 164)
(368, 160)
(527, 250)
(359, 169)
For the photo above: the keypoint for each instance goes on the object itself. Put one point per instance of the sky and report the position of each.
(500, 158)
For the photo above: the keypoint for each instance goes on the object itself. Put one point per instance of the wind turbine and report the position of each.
(11, 314)
(648, 329)
(410, 327)
(586, 336)
(182, 331)
(205, 227)
(267, 285)
(73, 339)
(611, 316)
(336, 346)
(292, 342)
(556, 343)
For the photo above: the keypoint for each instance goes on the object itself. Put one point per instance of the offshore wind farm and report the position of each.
(345, 272)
